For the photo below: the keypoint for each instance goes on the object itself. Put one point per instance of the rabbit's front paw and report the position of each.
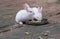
(21, 23)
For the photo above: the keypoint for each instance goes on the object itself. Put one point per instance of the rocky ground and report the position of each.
(51, 11)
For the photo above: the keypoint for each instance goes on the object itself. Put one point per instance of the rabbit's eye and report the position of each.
(30, 11)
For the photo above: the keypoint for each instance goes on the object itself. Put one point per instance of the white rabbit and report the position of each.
(24, 15)
(38, 13)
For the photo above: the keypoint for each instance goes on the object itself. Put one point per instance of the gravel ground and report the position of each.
(34, 31)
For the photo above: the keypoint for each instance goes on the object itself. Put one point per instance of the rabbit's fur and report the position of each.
(28, 13)
(38, 13)
(24, 15)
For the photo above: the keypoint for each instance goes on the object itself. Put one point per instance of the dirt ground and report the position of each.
(51, 10)
(9, 8)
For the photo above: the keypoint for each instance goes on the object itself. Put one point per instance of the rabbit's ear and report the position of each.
(40, 9)
(26, 6)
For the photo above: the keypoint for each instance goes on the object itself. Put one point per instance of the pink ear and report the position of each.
(40, 9)
(26, 6)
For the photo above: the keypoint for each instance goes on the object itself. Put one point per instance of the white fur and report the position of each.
(38, 13)
(23, 15)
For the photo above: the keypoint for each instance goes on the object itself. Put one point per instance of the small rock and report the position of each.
(46, 33)
(40, 37)
(27, 33)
